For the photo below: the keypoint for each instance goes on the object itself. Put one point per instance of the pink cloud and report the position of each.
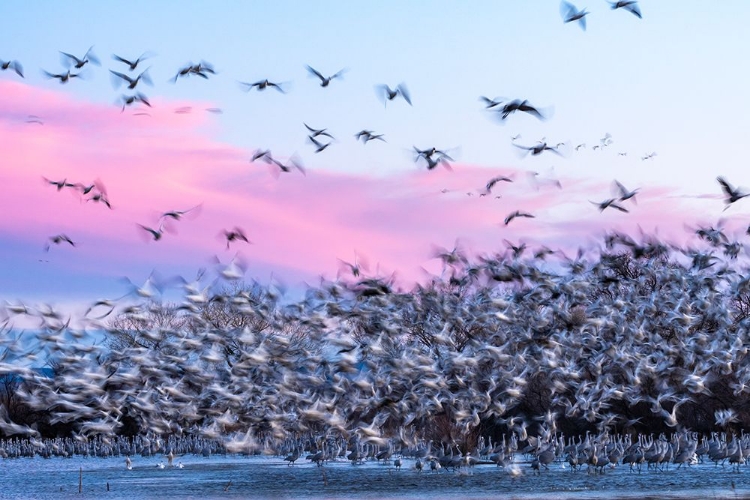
(302, 224)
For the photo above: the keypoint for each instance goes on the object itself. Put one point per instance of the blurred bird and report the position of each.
(317, 132)
(388, 94)
(629, 5)
(261, 85)
(63, 77)
(491, 103)
(14, 65)
(731, 194)
(570, 13)
(519, 105)
(623, 192)
(156, 234)
(368, 135)
(118, 78)
(60, 238)
(129, 100)
(538, 149)
(132, 65)
(324, 81)
(516, 214)
(610, 203)
(236, 234)
(88, 57)
(319, 146)
(491, 183)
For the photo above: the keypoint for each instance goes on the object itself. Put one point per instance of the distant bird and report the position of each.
(261, 85)
(156, 234)
(368, 135)
(610, 203)
(132, 65)
(14, 65)
(262, 154)
(317, 132)
(129, 100)
(582, 145)
(118, 78)
(570, 13)
(60, 184)
(623, 192)
(287, 168)
(516, 214)
(101, 198)
(731, 194)
(648, 156)
(324, 81)
(491, 103)
(179, 214)
(319, 146)
(519, 105)
(539, 148)
(388, 94)
(629, 5)
(235, 234)
(491, 183)
(34, 119)
(58, 239)
(63, 77)
(202, 69)
(77, 63)
(429, 153)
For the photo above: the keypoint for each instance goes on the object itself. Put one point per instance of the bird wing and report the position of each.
(313, 71)
(728, 189)
(404, 93)
(634, 9)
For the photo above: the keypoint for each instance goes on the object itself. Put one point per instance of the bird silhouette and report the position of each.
(570, 13)
(14, 65)
(88, 57)
(325, 81)
(629, 5)
(388, 94)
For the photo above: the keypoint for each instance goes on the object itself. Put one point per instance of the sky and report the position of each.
(672, 83)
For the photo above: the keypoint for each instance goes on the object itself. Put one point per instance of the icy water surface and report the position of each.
(270, 477)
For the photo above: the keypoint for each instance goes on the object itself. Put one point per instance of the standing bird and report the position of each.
(324, 81)
(388, 94)
(77, 63)
(14, 65)
(570, 13)
(629, 5)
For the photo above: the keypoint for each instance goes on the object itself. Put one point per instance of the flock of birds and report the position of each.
(517, 344)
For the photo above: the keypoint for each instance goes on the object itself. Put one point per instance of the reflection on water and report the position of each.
(270, 477)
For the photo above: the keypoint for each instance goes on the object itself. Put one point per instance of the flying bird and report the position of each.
(324, 81)
(179, 214)
(317, 132)
(516, 214)
(491, 183)
(118, 78)
(519, 105)
(156, 234)
(610, 203)
(14, 65)
(368, 135)
(319, 146)
(648, 156)
(624, 193)
(58, 239)
(63, 77)
(388, 94)
(491, 103)
(129, 100)
(132, 65)
(261, 85)
(88, 57)
(60, 184)
(731, 194)
(235, 234)
(570, 13)
(538, 149)
(629, 5)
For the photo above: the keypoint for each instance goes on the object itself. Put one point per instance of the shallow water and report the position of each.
(271, 477)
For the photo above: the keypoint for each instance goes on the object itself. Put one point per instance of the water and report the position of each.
(271, 477)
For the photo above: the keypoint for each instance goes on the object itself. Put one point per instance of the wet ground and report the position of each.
(270, 477)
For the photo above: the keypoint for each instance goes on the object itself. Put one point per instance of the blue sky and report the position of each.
(674, 83)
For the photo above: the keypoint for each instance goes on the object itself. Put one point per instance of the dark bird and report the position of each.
(515, 214)
(202, 69)
(491, 183)
(731, 194)
(388, 94)
(538, 149)
(63, 77)
(60, 184)
(156, 234)
(317, 132)
(610, 203)
(629, 5)
(14, 65)
(129, 100)
(319, 146)
(570, 13)
(427, 154)
(624, 194)
(287, 168)
(132, 64)
(519, 105)
(368, 135)
(88, 57)
(101, 198)
(58, 239)
(324, 81)
(118, 78)
(261, 85)
(491, 103)
(648, 156)
(262, 154)
(179, 214)
(235, 234)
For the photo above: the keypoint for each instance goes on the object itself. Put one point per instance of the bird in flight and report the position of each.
(132, 64)
(324, 81)
(319, 146)
(88, 57)
(261, 85)
(368, 135)
(60, 184)
(317, 132)
(14, 65)
(624, 193)
(236, 234)
(519, 105)
(388, 94)
(538, 149)
(570, 13)
(491, 183)
(516, 214)
(179, 214)
(731, 194)
(128, 100)
(156, 234)
(58, 239)
(491, 103)
(610, 203)
(629, 5)
(648, 156)
(63, 77)
(117, 79)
